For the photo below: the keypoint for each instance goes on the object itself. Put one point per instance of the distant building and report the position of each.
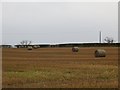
(5, 46)
(38, 45)
(22, 46)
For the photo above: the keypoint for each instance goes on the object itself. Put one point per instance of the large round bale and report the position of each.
(100, 53)
(30, 48)
(75, 49)
(35, 47)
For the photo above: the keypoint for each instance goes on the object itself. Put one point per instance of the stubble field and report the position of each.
(59, 68)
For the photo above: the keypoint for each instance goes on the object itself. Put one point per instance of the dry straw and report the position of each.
(100, 53)
(29, 48)
(75, 49)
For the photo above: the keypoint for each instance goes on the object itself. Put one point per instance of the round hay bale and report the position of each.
(29, 48)
(75, 49)
(100, 53)
(35, 47)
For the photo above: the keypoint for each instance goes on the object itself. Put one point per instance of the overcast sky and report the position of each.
(58, 22)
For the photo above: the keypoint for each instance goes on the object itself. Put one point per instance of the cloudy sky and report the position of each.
(58, 22)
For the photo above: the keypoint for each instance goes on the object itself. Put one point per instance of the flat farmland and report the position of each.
(59, 68)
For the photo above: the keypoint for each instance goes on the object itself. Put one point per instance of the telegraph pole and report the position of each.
(100, 36)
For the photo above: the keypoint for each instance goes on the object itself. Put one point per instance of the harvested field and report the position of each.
(59, 67)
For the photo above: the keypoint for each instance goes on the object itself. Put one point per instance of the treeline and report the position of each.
(91, 45)
(65, 45)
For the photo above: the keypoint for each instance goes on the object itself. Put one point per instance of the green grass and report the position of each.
(84, 73)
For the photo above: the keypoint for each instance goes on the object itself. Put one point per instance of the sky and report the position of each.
(58, 22)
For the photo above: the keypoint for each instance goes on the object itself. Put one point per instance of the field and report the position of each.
(59, 68)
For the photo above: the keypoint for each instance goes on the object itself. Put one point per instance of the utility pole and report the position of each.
(100, 36)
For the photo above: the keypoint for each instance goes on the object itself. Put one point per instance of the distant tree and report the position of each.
(109, 40)
(25, 43)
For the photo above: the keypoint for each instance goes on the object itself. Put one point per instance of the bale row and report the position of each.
(98, 52)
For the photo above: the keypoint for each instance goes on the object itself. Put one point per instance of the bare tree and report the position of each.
(109, 40)
(25, 42)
